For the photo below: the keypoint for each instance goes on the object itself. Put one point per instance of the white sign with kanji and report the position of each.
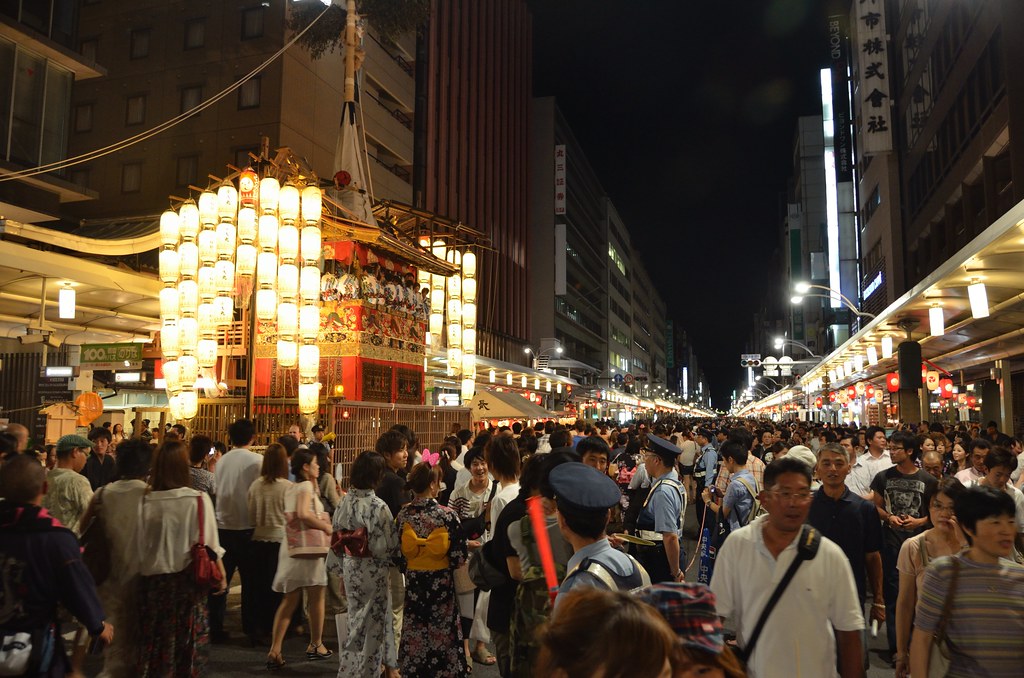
(873, 57)
(560, 179)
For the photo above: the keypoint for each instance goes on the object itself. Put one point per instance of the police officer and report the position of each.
(584, 497)
(661, 518)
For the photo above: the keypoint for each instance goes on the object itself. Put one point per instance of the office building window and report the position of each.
(243, 155)
(187, 172)
(135, 110)
(191, 97)
(195, 33)
(252, 23)
(83, 118)
(249, 94)
(131, 177)
(88, 48)
(140, 43)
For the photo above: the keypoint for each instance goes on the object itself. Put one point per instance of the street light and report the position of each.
(780, 342)
(760, 377)
(797, 298)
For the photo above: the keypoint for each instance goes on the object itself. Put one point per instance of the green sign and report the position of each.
(111, 356)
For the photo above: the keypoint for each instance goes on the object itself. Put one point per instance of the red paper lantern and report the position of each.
(869, 390)
(892, 382)
(971, 401)
(851, 392)
(832, 397)
(819, 403)
(946, 388)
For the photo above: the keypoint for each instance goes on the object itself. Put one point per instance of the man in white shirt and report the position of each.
(870, 464)
(977, 450)
(236, 471)
(798, 637)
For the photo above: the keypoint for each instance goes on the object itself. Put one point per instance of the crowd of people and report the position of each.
(546, 550)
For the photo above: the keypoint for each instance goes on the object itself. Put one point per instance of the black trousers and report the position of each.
(265, 599)
(654, 561)
(237, 546)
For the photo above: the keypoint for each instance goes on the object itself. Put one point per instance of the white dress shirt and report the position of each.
(235, 474)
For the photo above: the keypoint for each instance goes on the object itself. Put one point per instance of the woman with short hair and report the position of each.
(265, 501)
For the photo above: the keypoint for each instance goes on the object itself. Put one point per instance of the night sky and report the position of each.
(687, 112)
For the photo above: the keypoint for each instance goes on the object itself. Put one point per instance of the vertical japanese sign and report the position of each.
(839, 64)
(873, 57)
(560, 179)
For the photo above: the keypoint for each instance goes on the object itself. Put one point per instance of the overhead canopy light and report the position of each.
(979, 299)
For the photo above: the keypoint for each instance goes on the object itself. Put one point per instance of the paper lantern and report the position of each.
(207, 208)
(819, 403)
(188, 220)
(174, 406)
(226, 240)
(311, 204)
(266, 269)
(946, 388)
(288, 281)
(270, 190)
(490, 376)
(469, 265)
(309, 284)
(931, 380)
(207, 318)
(978, 296)
(936, 321)
(860, 388)
(886, 347)
(268, 232)
(469, 340)
(872, 355)
(225, 310)
(208, 246)
(225, 277)
(508, 378)
(207, 282)
(169, 266)
(188, 334)
(169, 228)
(189, 404)
(436, 301)
(309, 361)
(522, 382)
(468, 389)
(454, 310)
(188, 259)
(469, 315)
(188, 369)
(171, 376)
(469, 364)
(169, 340)
(454, 335)
(454, 287)
(287, 319)
(972, 401)
(227, 202)
(547, 384)
(469, 290)
(247, 229)
(288, 204)
(311, 243)
(287, 353)
(309, 397)
(188, 297)
(892, 382)
(206, 353)
(245, 260)
(248, 189)
(288, 242)
(436, 323)
(266, 304)
(309, 322)
(832, 396)
(869, 390)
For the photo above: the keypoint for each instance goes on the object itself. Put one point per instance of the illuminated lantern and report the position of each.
(971, 401)
(892, 382)
(924, 374)
(851, 393)
(832, 397)
(844, 398)
(819, 403)
(248, 184)
(869, 390)
(860, 388)
(932, 380)
(946, 387)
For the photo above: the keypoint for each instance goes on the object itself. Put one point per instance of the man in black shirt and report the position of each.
(100, 467)
(899, 499)
(393, 446)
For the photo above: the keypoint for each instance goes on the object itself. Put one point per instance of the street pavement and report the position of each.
(238, 658)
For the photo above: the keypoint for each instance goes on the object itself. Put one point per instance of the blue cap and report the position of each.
(662, 447)
(583, 488)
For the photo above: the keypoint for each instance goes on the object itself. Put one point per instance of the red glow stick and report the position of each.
(535, 508)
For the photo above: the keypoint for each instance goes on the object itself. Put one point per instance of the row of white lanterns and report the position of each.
(453, 299)
(249, 232)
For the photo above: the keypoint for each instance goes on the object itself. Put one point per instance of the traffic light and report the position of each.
(745, 362)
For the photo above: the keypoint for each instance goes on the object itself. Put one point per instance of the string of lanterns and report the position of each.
(212, 252)
(453, 313)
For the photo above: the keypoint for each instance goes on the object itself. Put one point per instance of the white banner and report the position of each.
(875, 78)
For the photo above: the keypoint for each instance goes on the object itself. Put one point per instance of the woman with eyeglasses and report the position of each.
(943, 538)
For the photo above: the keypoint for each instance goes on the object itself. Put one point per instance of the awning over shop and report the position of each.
(506, 405)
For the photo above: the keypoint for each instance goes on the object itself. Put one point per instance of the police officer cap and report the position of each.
(662, 447)
(583, 488)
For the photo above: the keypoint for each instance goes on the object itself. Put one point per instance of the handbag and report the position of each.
(303, 541)
(96, 545)
(484, 574)
(806, 549)
(938, 651)
(204, 564)
(473, 528)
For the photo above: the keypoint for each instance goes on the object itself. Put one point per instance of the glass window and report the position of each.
(187, 172)
(249, 94)
(195, 33)
(131, 177)
(135, 110)
(88, 48)
(7, 51)
(83, 118)
(140, 43)
(252, 23)
(55, 115)
(191, 97)
(80, 176)
(26, 120)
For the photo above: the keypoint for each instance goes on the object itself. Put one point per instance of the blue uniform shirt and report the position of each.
(739, 499)
(664, 505)
(601, 552)
(706, 467)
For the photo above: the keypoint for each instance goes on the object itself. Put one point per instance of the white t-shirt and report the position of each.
(235, 474)
(797, 639)
(968, 476)
(504, 496)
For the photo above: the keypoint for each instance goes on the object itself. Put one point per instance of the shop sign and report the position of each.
(111, 356)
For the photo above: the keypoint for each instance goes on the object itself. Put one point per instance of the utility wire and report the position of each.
(143, 136)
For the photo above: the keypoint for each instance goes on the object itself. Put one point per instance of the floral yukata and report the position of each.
(432, 549)
(371, 641)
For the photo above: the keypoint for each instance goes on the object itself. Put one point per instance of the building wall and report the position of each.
(476, 166)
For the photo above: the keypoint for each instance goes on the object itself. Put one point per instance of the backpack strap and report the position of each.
(753, 495)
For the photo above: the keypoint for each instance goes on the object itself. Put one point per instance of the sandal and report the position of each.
(275, 662)
(316, 654)
(485, 658)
